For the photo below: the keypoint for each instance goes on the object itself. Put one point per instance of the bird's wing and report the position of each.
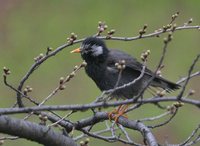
(132, 66)
(131, 63)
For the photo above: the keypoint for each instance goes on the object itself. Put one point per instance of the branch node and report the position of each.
(142, 31)
(101, 28)
(49, 49)
(110, 33)
(6, 71)
(145, 55)
(72, 38)
(39, 57)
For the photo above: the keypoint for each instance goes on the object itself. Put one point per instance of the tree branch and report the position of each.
(95, 105)
(34, 132)
(135, 125)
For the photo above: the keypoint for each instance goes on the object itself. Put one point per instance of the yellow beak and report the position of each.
(78, 50)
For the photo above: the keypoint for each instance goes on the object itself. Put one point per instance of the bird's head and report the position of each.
(92, 49)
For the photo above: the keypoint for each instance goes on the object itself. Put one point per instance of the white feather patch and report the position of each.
(97, 50)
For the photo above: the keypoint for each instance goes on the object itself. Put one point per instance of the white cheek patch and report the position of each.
(97, 50)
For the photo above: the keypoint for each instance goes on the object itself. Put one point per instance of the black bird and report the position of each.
(101, 68)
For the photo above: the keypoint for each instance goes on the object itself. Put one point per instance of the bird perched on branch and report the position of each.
(101, 67)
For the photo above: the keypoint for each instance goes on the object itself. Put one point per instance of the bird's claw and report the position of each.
(120, 111)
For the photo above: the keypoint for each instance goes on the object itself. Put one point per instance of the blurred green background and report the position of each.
(28, 27)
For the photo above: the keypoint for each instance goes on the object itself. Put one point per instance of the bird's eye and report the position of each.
(85, 47)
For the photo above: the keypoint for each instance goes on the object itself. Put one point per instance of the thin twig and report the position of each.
(189, 138)
(109, 139)
(155, 118)
(67, 79)
(166, 42)
(165, 122)
(191, 76)
(188, 77)
(67, 115)
(125, 133)
(17, 91)
(128, 84)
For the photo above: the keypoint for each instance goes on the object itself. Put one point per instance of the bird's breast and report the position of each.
(96, 72)
(103, 78)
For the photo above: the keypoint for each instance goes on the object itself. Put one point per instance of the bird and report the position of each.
(101, 68)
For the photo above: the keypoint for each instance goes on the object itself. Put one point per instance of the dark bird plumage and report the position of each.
(101, 68)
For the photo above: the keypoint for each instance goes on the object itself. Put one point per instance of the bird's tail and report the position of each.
(165, 84)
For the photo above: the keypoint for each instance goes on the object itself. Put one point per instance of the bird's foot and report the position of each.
(116, 113)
